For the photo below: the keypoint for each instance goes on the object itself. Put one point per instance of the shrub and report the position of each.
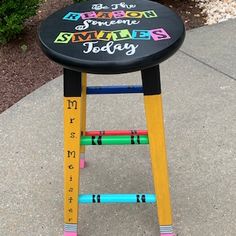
(13, 13)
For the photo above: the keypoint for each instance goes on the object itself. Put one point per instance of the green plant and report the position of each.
(13, 13)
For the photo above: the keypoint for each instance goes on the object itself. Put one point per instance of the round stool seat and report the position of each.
(112, 36)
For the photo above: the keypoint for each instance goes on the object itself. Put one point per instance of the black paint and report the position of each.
(93, 140)
(151, 81)
(98, 198)
(138, 139)
(94, 200)
(99, 140)
(135, 139)
(71, 120)
(71, 154)
(148, 54)
(96, 140)
(132, 140)
(134, 132)
(72, 84)
(137, 196)
(143, 198)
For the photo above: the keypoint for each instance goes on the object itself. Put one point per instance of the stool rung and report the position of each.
(117, 198)
(114, 140)
(114, 89)
(115, 132)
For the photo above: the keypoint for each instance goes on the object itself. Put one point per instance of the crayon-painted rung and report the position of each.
(116, 198)
(115, 132)
(114, 140)
(114, 89)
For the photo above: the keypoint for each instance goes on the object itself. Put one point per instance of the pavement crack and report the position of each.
(212, 67)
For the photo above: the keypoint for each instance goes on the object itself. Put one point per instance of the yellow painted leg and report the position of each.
(155, 126)
(72, 133)
(83, 118)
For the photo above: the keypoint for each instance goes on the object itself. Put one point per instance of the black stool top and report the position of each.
(111, 36)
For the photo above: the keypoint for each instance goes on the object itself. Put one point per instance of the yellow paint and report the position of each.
(155, 126)
(83, 108)
(134, 14)
(118, 35)
(104, 35)
(72, 122)
(63, 37)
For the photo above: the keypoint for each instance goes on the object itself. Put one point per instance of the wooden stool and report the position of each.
(110, 38)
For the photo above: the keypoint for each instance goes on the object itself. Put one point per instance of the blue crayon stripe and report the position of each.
(117, 198)
(114, 89)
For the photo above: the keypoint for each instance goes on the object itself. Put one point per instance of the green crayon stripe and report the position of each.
(114, 140)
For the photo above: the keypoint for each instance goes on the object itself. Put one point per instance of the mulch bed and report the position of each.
(24, 67)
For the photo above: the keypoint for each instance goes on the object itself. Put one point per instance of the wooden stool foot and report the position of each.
(72, 133)
(70, 233)
(82, 163)
(83, 118)
(156, 135)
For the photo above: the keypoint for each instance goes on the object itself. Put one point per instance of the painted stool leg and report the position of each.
(83, 118)
(72, 133)
(155, 126)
